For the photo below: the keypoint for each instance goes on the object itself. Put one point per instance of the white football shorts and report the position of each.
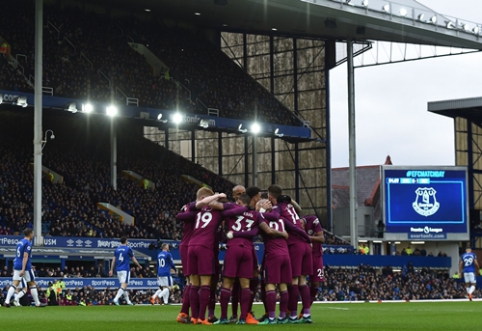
(123, 276)
(165, 281)
(469, 277)
(28, 276)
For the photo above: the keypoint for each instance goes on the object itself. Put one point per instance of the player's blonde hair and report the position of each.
(259, 203)
(204, 192)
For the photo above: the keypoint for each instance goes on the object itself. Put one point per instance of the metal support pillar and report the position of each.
(245, 52)
(470, 161)
(297, 173)
(352, 144)
(273, 161)
(295, 76)
(255, 160)
(246, 161)
(113, 154)
(193, 146)
(271, 64)
(37, 140)
(470, 175)
(328, 148)
(220, 154)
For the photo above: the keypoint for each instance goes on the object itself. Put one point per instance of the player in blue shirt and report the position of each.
(164, 279)
(122, 257)
(22, 270)
(470, 267)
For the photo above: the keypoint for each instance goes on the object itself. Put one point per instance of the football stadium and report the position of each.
(167, 163)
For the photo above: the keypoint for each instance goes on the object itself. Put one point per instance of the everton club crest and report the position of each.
(425, 203)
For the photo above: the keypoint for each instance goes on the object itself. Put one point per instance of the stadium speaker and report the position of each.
(220, 2)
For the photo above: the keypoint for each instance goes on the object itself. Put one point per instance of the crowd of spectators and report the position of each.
(71, 208)
(87, 56)
(364, 283)
(367, 283)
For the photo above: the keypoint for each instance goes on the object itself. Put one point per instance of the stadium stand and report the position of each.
(70, 208)
(106, 68)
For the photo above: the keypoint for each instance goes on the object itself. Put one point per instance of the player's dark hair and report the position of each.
(253, 191)
(123, 240)
(244, 199)
(27, 232)
(275, 190)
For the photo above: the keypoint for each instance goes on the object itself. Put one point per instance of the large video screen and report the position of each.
(425, 203)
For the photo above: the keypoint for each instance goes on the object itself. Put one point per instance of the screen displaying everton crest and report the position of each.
(425, 203)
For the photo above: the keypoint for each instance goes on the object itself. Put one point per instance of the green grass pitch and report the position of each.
(367, 316)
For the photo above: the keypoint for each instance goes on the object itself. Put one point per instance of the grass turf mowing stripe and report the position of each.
(369, 316)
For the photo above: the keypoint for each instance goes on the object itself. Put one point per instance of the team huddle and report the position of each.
(293, 253)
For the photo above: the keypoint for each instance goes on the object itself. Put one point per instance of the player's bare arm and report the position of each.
(24, 264)
(296, 206)
(207, 200)
(319, 237)
(111, 271)
(135, 262)
(272, 232)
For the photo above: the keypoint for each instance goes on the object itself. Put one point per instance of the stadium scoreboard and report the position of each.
(425, 203)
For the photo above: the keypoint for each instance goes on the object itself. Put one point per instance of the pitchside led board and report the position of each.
(425, 203)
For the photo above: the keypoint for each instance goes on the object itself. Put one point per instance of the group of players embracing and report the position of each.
(292, 253)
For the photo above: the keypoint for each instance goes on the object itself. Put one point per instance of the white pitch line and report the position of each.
(338, 308)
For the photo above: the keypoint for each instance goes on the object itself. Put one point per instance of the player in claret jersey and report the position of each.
(277, 265)
(470, 267)
(187, 216)
(300, 255)
(236, 292)
(201, 250)
(315, 231)
(241, 226)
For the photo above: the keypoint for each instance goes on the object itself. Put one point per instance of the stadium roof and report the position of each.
(470, 108)
(405, 21)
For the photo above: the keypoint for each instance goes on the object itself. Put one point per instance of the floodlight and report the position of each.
(159, 117)
(204, 124)
(474, 30)
(21, 101)
(386, 8)
(111, 110)
(420, 17)
(450, 25)
(197, 14)
(365, 3)
(87, 108)
(403, 12)
(72, 107)
(1, 99)
(433, 19)
(465, 27)
(177, 118)
(348, 2)
(255, 128)
(276, 133)
(147, 10)
(240, 128)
